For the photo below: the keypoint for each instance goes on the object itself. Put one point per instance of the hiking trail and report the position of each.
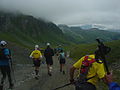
(26, 81)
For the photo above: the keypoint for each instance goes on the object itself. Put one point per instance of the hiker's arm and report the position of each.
(7, 53)
(109, 81)
(41, 55)
(31, 54)
(108, 78)
(72, 70)
(74, 67)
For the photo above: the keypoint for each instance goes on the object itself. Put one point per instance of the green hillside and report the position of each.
(83, 49)
(27, 30)
(79, 35)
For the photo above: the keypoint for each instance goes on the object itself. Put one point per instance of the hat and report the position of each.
(36, 46)
(48, 44)
(3, 42)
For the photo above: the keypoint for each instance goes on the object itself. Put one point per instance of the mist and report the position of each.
(69, 12)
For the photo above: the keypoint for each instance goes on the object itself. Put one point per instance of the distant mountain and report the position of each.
(28, 30)
(86, 36)
(112, 30)
(89, 26)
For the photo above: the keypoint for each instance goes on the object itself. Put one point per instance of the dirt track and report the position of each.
(25, 80)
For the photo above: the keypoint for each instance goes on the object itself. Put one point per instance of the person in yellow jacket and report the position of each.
(95, 71)
(36, 56)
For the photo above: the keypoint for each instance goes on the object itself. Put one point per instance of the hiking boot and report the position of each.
(49, 74)
(1, 86)
(60, 70)
(63, 72)
(11, 86)
(36, 78)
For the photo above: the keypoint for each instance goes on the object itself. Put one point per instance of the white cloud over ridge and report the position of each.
(70, 12)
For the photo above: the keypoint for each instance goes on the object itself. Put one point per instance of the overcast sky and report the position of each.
(70, 12)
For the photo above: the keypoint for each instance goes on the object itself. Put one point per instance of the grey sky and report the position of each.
(70, 12)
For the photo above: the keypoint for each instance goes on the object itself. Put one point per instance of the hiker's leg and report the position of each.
(9, 75)
(49, 69)
(60, 67)
(48, 66)
(37, 65)
(3, 72)
(51, 63)
(36, 70)
(63, 68)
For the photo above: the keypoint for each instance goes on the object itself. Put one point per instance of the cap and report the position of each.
(48, 44)
(3, 42)
(36, 46)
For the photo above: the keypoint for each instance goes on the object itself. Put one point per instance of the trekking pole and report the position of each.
(63, 86)
(73, 83)
(11, 68)
(101, 47)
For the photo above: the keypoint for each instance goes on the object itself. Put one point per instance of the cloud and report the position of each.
(69, 12)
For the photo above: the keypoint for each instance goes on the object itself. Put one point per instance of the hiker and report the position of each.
(91, 68)
(48, 53)
(112, 85)
(58, 50)
(5, 64)
(36, 56)
(61, 59)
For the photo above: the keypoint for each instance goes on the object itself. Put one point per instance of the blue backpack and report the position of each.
(62, 55)
(2, 55)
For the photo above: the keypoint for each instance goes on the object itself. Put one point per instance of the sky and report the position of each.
(69, 12)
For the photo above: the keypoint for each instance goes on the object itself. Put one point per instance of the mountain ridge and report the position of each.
(89, 35)
(23, 27)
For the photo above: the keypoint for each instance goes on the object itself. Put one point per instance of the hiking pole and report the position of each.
(73, 83)
(102, 48)
(11, 68)
(63, 86)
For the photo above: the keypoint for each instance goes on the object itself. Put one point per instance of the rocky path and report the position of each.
(26, 81)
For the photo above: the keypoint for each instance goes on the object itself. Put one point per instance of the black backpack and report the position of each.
(48, 52)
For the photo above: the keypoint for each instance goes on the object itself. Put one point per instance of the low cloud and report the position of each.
(70, 12)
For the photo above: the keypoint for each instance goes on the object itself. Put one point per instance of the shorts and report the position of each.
(62, 61)
(84, 86)
(49, 61)
(36, 62)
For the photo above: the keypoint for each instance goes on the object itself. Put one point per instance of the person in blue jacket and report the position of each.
(111, 85)
(5, 65)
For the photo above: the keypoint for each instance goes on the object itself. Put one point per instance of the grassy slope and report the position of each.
(78, 35)
(83, 49)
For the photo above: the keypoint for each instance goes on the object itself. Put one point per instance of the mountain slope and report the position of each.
(87, 36)
(86, 49)
(27, 30)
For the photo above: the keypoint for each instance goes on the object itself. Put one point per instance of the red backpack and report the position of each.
(86, 64)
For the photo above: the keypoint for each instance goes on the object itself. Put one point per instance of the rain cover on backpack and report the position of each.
(86, 64)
